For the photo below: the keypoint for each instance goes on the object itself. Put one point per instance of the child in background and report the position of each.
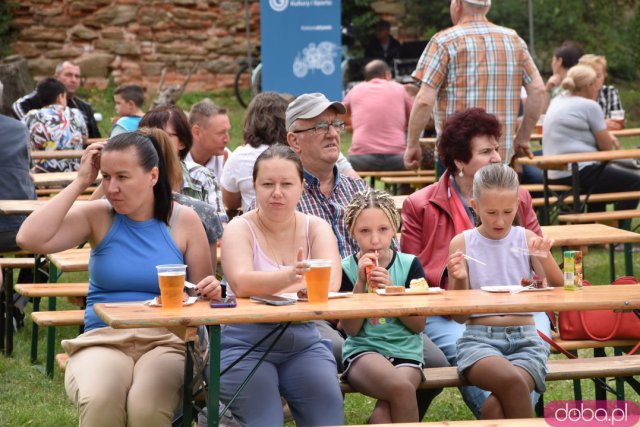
(501, 352)
(129, 100)
(383, 357)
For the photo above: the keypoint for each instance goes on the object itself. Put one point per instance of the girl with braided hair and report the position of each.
(383, 357)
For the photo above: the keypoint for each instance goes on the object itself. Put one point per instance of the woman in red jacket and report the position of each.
(432, 216)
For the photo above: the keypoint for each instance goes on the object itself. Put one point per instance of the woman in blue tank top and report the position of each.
(129, 377)
(500, 352)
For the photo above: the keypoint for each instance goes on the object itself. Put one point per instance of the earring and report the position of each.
(460, 174)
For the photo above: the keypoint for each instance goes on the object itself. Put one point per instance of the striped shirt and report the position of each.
(332, 208)
(609, 100)
(478, 64)
(200, 183)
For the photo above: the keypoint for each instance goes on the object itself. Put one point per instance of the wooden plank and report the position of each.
(52, 289)
(539, 188)
(593, 198)
(412, 180)
(17, 262)
(56, 154)
(560, 369)
(57, 179)
(587, 235)
(58, 318)
(380, 174)
(563, 160)
(372, 305)
(76, 259)
(24, 207)
(600, 216)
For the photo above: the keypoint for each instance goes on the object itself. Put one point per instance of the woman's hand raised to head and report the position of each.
(90, 163)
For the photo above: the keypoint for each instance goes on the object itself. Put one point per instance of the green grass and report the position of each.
(28, 398)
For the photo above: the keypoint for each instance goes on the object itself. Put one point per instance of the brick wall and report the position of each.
(131, 41)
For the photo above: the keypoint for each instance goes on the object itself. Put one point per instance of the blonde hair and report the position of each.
(591, 60)
(578, 77)
(494, 176)
(371, 198)
(169, 153)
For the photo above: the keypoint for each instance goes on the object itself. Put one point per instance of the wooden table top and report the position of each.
(588, 234)
(410, 179)
(623, 133)
(561, 161)
(133, 315)
(24, 207)
(56, 154)
(76, 259)
(56, 178)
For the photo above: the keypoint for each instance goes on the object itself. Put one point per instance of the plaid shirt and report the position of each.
(333, 208)
(200, 183)
(609, 100)
(478, 64)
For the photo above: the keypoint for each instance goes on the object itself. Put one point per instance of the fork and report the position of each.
(524, 288)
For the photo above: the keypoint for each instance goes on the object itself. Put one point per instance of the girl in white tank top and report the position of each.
(500, 352)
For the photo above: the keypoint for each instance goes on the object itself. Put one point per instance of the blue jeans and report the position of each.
(445, 332)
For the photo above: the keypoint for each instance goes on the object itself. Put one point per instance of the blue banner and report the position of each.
(301, 46)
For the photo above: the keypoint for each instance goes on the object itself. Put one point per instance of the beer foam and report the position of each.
(171, 273)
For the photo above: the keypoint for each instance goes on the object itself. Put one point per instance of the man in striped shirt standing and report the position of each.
(476, 64)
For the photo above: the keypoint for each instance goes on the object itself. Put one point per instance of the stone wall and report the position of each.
(131, 41)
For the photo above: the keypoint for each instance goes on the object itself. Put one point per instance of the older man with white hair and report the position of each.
(476, 63)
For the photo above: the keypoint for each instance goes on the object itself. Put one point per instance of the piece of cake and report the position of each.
(419, 284)
(534, 283)
(394, 289)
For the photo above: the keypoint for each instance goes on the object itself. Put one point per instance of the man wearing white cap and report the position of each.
(476, 64)
(313, 132)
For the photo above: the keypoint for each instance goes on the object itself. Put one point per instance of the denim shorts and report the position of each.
(520, 345)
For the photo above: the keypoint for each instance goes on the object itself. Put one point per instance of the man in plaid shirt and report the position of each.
(476, 64)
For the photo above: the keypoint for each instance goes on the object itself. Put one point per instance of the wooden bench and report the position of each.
(6, 298)
(593, 198)
(564, 369)
(539, 188)
(414, 181)
(52, 319)
(373, 175)
(608, 217)
(52, 289)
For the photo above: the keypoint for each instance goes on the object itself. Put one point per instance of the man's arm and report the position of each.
(420, 113)
(532, 110)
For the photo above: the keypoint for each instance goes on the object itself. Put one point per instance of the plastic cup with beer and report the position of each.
(318, 277)
(539, 124)
(618, 116)
(171, 279)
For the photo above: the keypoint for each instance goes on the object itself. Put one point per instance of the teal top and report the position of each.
(387, 336)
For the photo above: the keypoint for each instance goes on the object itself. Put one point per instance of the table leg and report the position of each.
(612, 262)
(10, 308)
(575, 184)
(3, 310)
(214, 376)
(187, 392)
(51, 330)
(601, 393)
(545, 195)
(34, 331)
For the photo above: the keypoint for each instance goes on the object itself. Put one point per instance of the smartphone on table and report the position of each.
(228, 302)
(273, 300)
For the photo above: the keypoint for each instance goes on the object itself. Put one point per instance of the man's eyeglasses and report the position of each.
(323, 127)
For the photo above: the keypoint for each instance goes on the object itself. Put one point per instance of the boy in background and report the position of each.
(129, 100)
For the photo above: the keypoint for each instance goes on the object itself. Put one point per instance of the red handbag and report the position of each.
(600, 325)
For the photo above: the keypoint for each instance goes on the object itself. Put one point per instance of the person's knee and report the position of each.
(106, 401)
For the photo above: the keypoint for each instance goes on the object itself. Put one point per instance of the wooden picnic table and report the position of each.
(56, 154)
(137, 315)
(581, 235)
(622, 133)
(25, 207)
(61, 179)
(570, 161)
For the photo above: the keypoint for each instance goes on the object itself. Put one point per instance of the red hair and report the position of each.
(460, 128)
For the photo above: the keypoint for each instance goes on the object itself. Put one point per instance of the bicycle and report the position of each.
(248, 83)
